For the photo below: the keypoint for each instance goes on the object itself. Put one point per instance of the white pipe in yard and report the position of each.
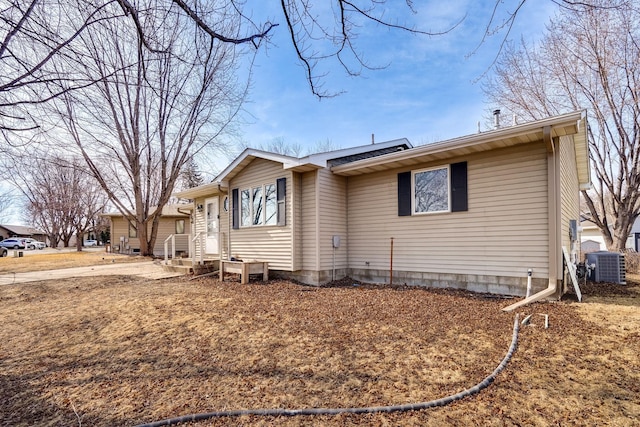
(529, 273)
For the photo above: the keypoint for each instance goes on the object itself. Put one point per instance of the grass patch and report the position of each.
(117, 351)
(56, 260)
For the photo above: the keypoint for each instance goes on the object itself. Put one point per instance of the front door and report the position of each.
(212, 216)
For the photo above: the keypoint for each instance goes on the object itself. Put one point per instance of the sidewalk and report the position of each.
(147, 269)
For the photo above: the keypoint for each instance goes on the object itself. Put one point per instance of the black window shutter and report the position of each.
(235, 212)
(459, 187)
(404, 194)
(281, 196)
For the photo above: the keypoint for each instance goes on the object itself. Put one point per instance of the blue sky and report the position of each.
(429, 91)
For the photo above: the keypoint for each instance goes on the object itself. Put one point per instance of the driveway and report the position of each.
(146, 269)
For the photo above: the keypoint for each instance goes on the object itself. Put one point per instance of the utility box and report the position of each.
(573, 230)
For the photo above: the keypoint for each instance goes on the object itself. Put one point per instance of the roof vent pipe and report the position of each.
(496, 119)
(373, 139)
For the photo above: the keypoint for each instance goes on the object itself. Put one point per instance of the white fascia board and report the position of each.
(466, 141)
(253, 153)
(211, 188)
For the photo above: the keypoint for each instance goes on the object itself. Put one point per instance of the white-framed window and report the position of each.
(430, 190)
(179, 226)
(258, 206)
(245, 208)
(270, 205)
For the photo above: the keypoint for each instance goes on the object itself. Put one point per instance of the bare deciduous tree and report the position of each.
(5, 203)
(149, 111)
(61, 199)
(142, 85)
(34, 32)
(589, 58)
(280, 146)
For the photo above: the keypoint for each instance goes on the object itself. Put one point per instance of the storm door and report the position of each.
(212, 216)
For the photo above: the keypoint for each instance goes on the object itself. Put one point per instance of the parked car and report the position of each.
(34, 244)
(13, 243)
(91, 243)
(3, 251)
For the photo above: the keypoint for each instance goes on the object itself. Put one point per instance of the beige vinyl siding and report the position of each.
(297, 210)
(570, 190)
(119, 230)
(199, 226)
(332, 198)
(166, 227)
(309, 217)
(270, 243)
(503, 233)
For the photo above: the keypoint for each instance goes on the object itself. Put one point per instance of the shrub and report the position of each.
(632, 261)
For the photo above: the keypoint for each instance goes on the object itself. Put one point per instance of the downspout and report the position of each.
(317, 260)
(220, 243)
(553, 192)
(229, 229)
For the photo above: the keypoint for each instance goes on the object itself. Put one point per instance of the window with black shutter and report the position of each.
(404, 194)
(235, 213)
(433, 190)
(459, 187)
(281, 197)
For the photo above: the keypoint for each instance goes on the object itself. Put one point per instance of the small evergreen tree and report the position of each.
(191, 176)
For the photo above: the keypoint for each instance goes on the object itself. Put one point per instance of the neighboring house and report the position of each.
(588, 246)
(591, 238)
(634, 237)
(474, 212)
(175, 220)
(7, 231)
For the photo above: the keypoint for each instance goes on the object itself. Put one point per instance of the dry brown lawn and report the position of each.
(51, 261)
(119, 351)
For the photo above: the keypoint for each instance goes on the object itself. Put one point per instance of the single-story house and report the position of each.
(175, 220)
(475, 212)
(7, 231)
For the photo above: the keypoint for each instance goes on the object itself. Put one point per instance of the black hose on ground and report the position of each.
(365, 410)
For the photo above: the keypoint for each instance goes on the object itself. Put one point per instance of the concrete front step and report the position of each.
(184, 269)
(189, 261)
(185, 266)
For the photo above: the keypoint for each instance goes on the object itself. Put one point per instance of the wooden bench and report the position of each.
(244, 269)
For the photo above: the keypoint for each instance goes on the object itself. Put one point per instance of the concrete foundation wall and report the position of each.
(500, 285)
(309, 277)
